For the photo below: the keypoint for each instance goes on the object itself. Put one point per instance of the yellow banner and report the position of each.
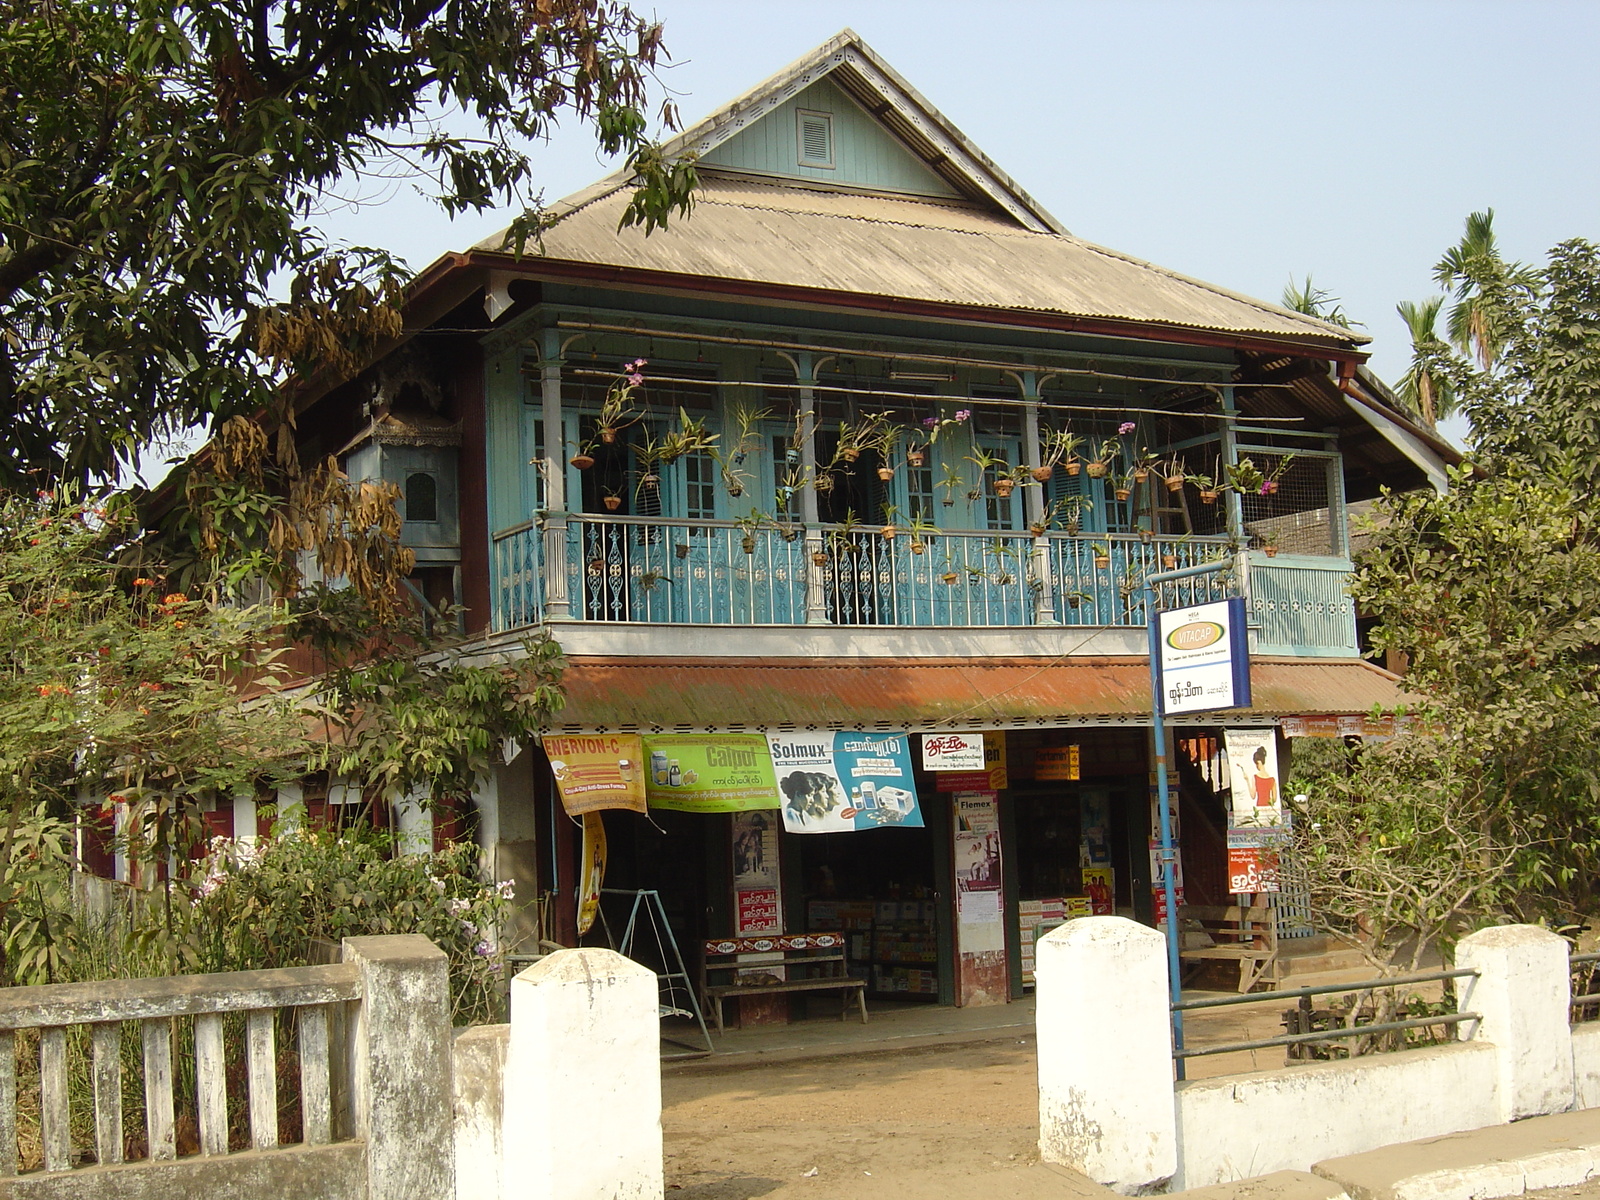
(594, 870)
(595, 772)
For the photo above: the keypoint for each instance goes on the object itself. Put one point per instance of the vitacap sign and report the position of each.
(1205, 657)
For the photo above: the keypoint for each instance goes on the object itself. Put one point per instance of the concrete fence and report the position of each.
(1109, 1106)
(562, 1104)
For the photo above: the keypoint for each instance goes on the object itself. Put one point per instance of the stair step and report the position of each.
(1345, 960)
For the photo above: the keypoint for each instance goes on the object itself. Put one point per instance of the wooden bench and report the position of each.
(1248, 936)
(811, 962)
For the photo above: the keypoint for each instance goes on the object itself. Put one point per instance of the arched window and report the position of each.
(422, 497)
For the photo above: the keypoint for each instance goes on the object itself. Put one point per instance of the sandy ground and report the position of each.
(947, 1112)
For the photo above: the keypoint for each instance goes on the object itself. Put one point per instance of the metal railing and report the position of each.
(1324, 1035)
(655, 570)
(1586, 975)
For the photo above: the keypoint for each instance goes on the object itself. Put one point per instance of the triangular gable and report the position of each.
(851, 67)
(852, 148)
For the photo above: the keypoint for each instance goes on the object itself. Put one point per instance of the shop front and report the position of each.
(938, 856)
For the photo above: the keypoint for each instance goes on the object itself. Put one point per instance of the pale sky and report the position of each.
(1237, 141)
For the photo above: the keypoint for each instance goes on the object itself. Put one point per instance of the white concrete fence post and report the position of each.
(1524, 991)
(1106, 1103)
(401, 1060)
(582, 1117)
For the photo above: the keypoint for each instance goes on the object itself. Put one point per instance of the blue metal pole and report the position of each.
(1167, 855)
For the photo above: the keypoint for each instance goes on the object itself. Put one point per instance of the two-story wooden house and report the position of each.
(825, 567)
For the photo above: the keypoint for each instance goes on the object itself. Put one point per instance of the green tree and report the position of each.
(158, 162)
(1488, 809)
(1426, 389)
(1316, 302)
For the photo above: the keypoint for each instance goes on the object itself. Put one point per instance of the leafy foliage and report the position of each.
(1489, 808)
(159, 161)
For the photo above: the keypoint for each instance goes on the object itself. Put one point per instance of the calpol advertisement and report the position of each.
(839, 782)
(597, 772)
(706, 774)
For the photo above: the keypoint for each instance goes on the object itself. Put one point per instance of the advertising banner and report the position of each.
(838, 782)
(952, 751)
(992, 778)
(756, 911)
(1253, 775)
(1099, 884)
(1205, 658)
(708, 774)
(597, 772)
(1056, 762)
(1253, 859)
(593, 870)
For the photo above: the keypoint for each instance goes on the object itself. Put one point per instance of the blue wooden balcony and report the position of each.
(717, 573)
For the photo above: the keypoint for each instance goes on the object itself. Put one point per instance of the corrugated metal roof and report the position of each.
(718, 694)
(856, 244)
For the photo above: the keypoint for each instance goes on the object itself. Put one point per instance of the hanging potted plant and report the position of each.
(1208, 487)
(612, 501)
(1105, 454)
(1146, 464)
(616, 412)
(1122, 487)
(916, 455)
(1102, 555)
(750, 524)
(890, 530)
(582, 461)
(1173, 474)
(1055, 447)
(819, 557)
(920, 530)
(681, 549)
(952, 483)
(1269, 546)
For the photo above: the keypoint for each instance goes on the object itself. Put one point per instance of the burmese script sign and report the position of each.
(1205, 658)
(952, 751)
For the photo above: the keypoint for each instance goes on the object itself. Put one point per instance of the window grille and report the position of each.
(1296, 515)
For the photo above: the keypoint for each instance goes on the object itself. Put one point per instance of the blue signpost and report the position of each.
(1199, 662)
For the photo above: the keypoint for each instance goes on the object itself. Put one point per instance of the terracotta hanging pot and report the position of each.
(950, 577)
(889, 533)
(650, 481)
(608, 435)
(915, 457)
(918, 546)
(849, 453)
(1208, 497)
(886, 473)
(736, 490)
(1003, 487)
(1174, 483)
(612, 503)
(582, 461)
(1036, 530)
(1042, 474)
(681, 550)
(1097, 470)
(1102, 561)
(1072, 466)
(1169, 562)
(1140, 475)
(1270, 551)
(819, 558)
(1122, 493)
(748, 543)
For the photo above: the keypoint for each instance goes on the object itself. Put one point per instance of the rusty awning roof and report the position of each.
(713, 695)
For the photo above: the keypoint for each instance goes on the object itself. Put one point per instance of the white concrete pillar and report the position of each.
(402, 1066)
(244, 817)
(413, 824)
(1524, 992)
(583, 1081)
(291, 808)
(1106, 1104)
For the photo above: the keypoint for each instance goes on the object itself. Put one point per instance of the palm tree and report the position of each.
(1424, 389)
(1478, 277)
(1315, 302)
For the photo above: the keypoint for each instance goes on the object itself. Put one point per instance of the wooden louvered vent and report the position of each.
(816, 139)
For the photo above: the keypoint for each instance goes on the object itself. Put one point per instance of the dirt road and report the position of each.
(943, 1112)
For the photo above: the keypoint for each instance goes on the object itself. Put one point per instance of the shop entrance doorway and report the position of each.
(880, 888)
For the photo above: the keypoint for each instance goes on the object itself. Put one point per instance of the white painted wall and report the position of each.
(413, 824)
(583, 1081)
(480, 1066)
(1105, 1053)
(1524, 991)
(1586, 1065)
(1239, 1126)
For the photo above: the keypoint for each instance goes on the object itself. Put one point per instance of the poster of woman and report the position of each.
(1253, 774)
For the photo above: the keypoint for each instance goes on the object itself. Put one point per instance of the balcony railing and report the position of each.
(650, 570)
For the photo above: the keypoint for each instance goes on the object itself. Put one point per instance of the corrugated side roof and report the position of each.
(718, 694)
(754, 231)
